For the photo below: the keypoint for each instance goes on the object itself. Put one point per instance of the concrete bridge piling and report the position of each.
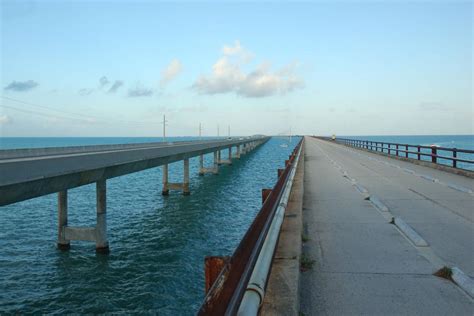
(98, 233)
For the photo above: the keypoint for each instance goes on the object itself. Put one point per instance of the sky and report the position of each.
(114, 68)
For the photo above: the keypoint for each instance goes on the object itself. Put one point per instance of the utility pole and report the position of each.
(200, 131)
(217, 130)
(164, 128)
(228, 130)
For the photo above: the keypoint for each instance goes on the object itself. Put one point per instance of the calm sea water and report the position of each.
(448, 141)
(158, 244)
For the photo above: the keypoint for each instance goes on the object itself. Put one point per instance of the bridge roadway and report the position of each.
(30, 173)
(366, 265)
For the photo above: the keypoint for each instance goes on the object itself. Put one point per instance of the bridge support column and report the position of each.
(63, 243)
(186, 177)
(101, 243)
(225, 161)
(242, 150)
(237, 155)
(214, 169)
(98, 233)
(182, 186)
(165, 190)
(216, 163)
(201, 165)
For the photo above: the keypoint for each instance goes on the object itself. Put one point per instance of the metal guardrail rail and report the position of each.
(417, 152)
(226, 293)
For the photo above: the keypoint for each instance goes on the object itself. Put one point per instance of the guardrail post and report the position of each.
(455, 155)
(212, 268)
(101, 243)
(265, 194)
(165, 190)
(397, 150)
(186, 177)
(280, 172)
(388, 149)
(63, 243)
(433, 154)
(419, 156)
(406, 151)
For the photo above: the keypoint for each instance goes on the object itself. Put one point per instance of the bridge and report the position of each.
(350, 227)
(367, 229)
(30, 173)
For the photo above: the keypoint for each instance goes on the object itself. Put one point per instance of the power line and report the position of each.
(40, 113)
(57, 116)
(71, 113)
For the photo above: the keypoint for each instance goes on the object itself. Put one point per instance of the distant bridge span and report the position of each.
(30, 173)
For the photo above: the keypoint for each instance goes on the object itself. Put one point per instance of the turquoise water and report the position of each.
(448, 141)
(158, 244)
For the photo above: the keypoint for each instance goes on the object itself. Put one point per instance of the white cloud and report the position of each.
(227, 76)
(238, 51)
(170, 72)
(5, 119)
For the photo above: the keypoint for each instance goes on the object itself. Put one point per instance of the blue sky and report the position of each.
(349, 68)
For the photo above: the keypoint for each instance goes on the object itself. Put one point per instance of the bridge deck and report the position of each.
(364, 264)
(30, 173)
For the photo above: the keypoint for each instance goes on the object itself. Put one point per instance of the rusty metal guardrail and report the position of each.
(435, 154)
(227, 290)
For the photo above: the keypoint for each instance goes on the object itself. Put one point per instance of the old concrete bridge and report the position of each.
(30, 173)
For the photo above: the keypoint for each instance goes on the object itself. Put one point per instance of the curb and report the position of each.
(463, 281)
(410, 232)
(379, 204)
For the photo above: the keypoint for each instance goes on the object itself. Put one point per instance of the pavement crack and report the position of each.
(439, 204)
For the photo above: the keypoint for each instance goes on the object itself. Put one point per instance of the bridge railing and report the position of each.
(227, 290)
(453, 157)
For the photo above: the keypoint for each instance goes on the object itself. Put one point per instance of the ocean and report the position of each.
(158, 244)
